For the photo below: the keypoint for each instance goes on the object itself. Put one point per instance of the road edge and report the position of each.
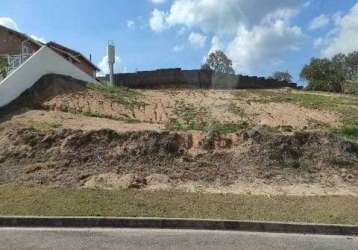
(164, 223)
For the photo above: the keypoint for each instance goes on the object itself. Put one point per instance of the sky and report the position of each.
(260, 36)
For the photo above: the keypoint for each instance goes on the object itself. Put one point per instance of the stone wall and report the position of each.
(196, 79)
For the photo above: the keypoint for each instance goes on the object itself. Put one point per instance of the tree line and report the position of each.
(338, 74)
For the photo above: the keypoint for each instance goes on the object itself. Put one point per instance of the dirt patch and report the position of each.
(63, 132)
(115, 181)
(65, 120)
(64, 157)
(160, 107)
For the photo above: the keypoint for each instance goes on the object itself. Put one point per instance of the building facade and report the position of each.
(16, 48)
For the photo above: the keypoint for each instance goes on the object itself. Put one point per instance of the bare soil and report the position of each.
(68, 134)
(64, 157)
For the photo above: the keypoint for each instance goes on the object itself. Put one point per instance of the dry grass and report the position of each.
(73, 202)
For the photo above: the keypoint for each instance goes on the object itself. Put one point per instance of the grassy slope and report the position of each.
(197, 118)
(186, 117)
(346, 106)
(71, 202)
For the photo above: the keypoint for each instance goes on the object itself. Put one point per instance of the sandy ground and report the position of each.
(260, 188)
(159, 106)
(72, 121)
(257, 187)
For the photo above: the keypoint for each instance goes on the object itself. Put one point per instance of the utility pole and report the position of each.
(111, 55)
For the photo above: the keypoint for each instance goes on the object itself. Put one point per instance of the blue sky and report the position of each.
(261, 36)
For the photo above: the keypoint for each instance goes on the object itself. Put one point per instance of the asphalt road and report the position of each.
(165, 239)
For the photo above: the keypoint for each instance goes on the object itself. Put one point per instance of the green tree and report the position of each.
(322, 75)
(352, 66)
(219, 62)
(331, 74)
(282, 76)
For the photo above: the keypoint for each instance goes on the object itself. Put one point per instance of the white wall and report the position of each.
(43, 62)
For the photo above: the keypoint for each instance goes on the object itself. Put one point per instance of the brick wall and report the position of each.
(197, 79)
(10, 43)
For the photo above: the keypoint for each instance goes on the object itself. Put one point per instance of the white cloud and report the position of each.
(253, 33)
(9, 23)
(41, 39)
(215, 44)
(343, 38)
(318, 42)
(319, 22)
(263, 44)
(337, 17)
(103, 66)
(158, 1)
(157, 21)
(223, 16)
(197, 39)
(130, 24)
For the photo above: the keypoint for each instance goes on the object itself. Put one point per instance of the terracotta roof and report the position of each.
(72, 53)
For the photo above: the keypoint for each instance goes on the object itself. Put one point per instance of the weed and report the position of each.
(45, 126)
(236, 110)
(349, 129)
(229, 128)
(174, 124)
(340, 162)
(121, 95)
(188, 117)
(123, 118)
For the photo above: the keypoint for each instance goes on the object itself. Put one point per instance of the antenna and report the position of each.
(111, 55)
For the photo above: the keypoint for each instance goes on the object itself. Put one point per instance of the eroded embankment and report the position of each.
(63, 157)
(63, 132)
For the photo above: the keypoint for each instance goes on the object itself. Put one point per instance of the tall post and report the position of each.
(111, 55)
(111, 74)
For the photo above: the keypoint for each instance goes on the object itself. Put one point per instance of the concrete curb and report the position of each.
(162, 223)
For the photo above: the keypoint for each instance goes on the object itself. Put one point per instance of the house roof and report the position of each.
(72, 53)
(77, 56)
(22, 35)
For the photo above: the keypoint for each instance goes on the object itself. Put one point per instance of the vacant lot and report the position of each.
(70, 134)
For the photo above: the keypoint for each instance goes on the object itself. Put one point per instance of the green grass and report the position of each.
(121, 95)
(72, 202)
(345, 106)
(313, 100)
(45, 126)
(236, 110)
(349, 129)
(188, 117)
(123, 118)
(229, 128)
